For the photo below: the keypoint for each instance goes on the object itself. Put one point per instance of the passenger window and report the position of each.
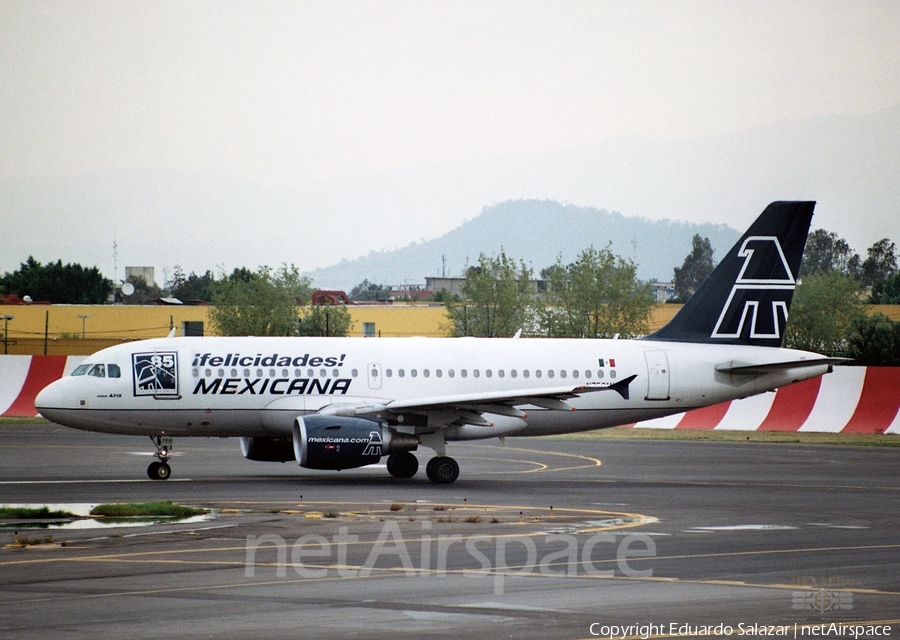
(476, 373)
(401, 372)
(587, 374)
(426, 373)
(600, 373)
(537, 374)
(575, 373)
(389, 372)
(562, 374)
(413, 373)
(550, 373)
(451, 373)
(488, 373)
(526, 373)
(439, 373)
(81, 370)
(463, 373)
(501, 373)
(513, 373)
(98, 371)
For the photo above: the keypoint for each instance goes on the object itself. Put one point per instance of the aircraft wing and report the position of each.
(469, 407)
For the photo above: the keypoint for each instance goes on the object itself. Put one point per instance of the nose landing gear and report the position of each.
(160, 470)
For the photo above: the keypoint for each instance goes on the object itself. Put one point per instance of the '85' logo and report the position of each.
(155, 374)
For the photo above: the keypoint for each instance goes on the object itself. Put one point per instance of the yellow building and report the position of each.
(84, 329)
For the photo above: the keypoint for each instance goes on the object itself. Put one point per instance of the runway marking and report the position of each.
(540, 468)
(592, 462)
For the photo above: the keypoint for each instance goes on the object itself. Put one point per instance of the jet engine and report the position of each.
(340, 442)
(267, 449)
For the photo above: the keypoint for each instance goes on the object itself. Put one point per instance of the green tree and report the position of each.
(365, 291)
(698, 264)
(875, 341)
(886, 291)
(191, 288)
(825, 252)
(822, 314)
(880, 263)
(325, 320)
(598, 296)
(57, 283)
(498, 299)
(264, 302)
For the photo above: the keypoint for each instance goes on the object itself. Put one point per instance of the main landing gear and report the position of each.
(440, 469)
(160, 470)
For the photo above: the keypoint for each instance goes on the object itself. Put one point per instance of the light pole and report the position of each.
(83, 318)
(6, 320)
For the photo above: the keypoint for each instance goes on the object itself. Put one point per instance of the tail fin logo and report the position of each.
(761, 293)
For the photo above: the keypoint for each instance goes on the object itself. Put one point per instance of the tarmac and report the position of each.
(543, 538)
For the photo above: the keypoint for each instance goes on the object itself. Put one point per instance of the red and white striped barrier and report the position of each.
(22, 377)
(850, 400)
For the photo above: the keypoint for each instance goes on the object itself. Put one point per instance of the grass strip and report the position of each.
(33, 513)
(712, 435)
(136, 509)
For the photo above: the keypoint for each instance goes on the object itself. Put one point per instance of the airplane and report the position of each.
(343, 403)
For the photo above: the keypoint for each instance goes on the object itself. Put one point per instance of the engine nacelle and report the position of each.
(340, 442)
(267, 449)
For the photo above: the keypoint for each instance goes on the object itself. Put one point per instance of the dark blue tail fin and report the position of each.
(746, 299)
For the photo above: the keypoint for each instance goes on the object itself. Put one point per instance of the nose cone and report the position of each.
(49, 398)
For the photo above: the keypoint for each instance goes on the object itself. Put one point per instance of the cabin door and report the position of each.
(657, 375)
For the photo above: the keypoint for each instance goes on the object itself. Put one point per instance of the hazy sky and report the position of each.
(285, 93)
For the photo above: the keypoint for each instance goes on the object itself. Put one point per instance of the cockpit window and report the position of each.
(98, 371)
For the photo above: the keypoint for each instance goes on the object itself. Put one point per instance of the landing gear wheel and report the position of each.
(442, 470)
(402, 465)
(159, 471)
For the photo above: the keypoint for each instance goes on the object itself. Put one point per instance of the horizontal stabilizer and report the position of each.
(748, 369)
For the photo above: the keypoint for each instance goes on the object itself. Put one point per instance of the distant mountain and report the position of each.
(164, 217)
(536, 231)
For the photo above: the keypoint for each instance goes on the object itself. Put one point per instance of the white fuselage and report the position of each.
(225, 387)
